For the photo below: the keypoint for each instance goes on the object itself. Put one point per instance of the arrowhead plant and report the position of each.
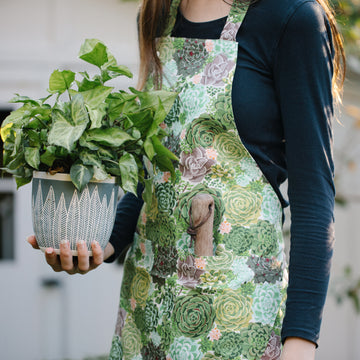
(95, 133)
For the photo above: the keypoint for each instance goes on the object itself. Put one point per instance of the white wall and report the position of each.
(77, 318)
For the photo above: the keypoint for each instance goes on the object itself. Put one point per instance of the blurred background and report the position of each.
(49, 316)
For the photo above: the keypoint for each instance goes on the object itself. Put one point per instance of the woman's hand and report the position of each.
(81, 264)
(298, 349)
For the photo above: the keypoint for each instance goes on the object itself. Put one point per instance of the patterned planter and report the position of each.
(61, 212)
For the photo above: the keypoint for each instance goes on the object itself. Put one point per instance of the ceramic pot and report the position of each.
(61, 212)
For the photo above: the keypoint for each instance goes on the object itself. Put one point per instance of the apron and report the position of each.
(175, 305)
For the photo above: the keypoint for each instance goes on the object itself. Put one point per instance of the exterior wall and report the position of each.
(73, 317)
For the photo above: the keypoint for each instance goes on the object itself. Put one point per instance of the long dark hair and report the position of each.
(151, 24)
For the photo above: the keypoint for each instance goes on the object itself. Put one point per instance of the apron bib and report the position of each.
(175, 305)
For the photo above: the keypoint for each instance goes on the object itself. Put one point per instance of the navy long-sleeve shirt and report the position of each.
(283, 110)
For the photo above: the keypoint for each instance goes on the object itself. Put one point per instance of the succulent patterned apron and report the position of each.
(175, 305)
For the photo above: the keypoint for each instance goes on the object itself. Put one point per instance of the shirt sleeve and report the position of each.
(303, 80)
(127, 214)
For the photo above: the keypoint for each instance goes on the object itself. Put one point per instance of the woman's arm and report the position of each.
(303, 80)
(298, 349)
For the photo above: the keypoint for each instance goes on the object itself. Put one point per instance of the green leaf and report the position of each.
(113, 71)
(20, 181)
(100, 173)
(32, 157)
(165, 164)
(64, 134)
(129, 173)
(97, 115)
(24, 99)
(16, 117)
(159, 117)
(141, 120)
(94, 52)
(87, 144)
(88, 158)
(151, 98)
(149, 149)
(96, 96)
(87, 84)
(161, 150)
(48, 157)
(147, 194)
(81, 175)
(60, 81)
(79, 113)
(109, 136)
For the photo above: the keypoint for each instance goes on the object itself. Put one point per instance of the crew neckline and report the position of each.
(201, 22)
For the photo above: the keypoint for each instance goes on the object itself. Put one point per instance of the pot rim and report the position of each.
(66, 177)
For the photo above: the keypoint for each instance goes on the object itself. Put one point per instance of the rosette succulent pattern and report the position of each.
(228, 346)
(233, 310)
(216, 71)
(194, 166)
(193, 315)
(239, 240)
(184, 348)
(166, 197)
(140, 286)
(175, 304)
(229, 147)
(254, 340)
(193, 56)
(267, 299)
(265, 269)
(202, 131)
(242, 206)
(131, 340)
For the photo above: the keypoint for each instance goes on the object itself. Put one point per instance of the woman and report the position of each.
(256, 83)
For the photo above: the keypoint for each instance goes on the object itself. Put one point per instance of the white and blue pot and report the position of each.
(61, 212)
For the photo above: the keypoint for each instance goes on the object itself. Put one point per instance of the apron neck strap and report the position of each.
(232, 25)
(234, 20)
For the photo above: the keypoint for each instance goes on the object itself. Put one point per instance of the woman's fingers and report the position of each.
(98, 255)
(83, 257)
(32, 241)
(52, 259)
(66, 258)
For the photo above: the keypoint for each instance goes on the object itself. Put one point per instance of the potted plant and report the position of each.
(80, 142)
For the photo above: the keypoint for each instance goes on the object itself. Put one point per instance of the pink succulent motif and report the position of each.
(215, 334)
(225, 227)
(133, 304)
(166, 176)
(230, 30)
(188, 273)
(194, 166)
(200, 263)
(120, 321)
(142, 248)
(209, 45)
(163, 125)
(196, 79)
(183, 134)
(217, 70)
(211, 153)
(273, 349)
(143, 218)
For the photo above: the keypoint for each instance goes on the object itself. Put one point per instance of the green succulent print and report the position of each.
(223, 111)
(184, 348)
(193, 315)
(162, 229)
(176, 304)
(228, 147)
(116, 349)
(242, 206)
(202, 131)
(232, 310)
(265, 239)
(166, 197)
(140, 286)
(228, 346)
(239, 240)
(267, 298)
(130, 340)
(193, 56)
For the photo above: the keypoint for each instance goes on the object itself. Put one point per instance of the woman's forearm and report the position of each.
(298, 349)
